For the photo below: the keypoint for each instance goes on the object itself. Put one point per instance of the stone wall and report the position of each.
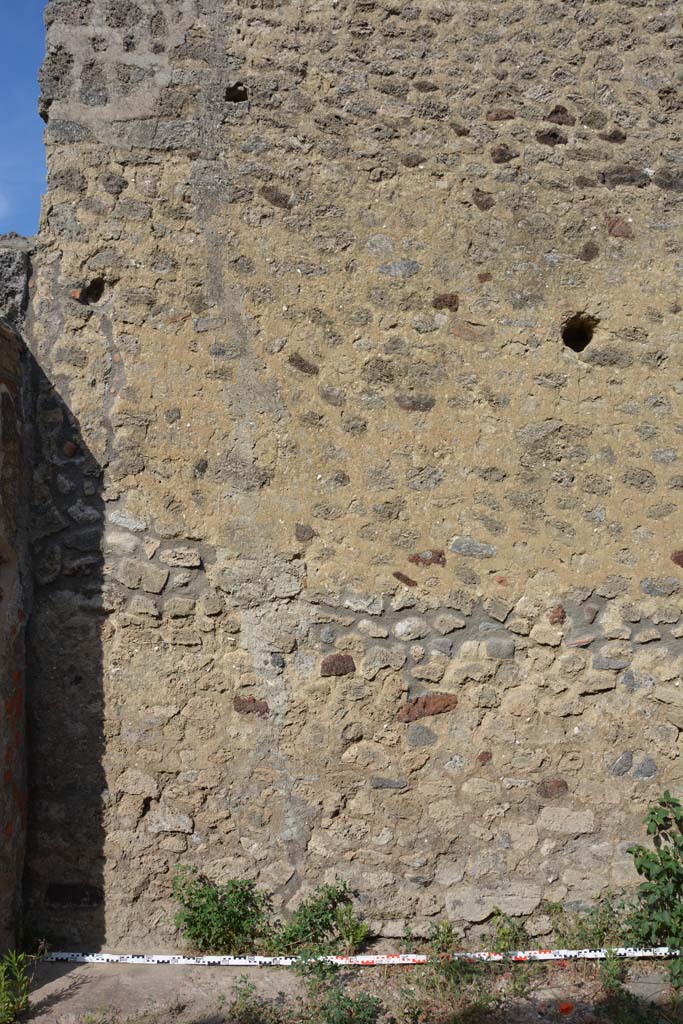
(358, 534)
(13, 590)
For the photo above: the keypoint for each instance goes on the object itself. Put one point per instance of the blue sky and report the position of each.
(22, 161)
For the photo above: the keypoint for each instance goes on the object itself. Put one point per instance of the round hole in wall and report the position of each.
(578, 329)
(236, 93)
(92, 292)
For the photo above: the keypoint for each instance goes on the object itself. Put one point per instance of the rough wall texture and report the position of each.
(346, 562)
(13, 579)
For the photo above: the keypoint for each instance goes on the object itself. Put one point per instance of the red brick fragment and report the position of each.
(589, 252)
(337, 665)
(677, 558)
(276, 197)
(501, 114)
(619, 228)
(551, 137)
(482, 200)
(251, 706)
(406, 580)
(433, 556)
(69, 449)
(560, 115)
(485, 277)
(503, 154)
(299, 363)
(615, 135)
(303, 532)
(557, 615)
(427, 705)
(550, 789)
(447, 300)
(484, 757)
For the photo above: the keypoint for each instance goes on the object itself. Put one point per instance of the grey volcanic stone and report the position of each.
(401, 268)
(623, 764)
(471, 548)
(377, 782)
(663, 587)
(501, 647)
(420, 736)
(647, 769)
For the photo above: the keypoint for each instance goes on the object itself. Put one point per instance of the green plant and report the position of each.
(317, 973)
(14, 986)
(508, 935)
(235, 918)
(657, 919)
(353, 931)
(337, 1007)
(325, 922)
(604, 924)
(249, 1008)
(228, 918)
(612, 973)
(327, 1003)
(448, 980)
(407, 939)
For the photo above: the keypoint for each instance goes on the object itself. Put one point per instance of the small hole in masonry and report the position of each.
(236, 93)
(92, 292)
(577, 331)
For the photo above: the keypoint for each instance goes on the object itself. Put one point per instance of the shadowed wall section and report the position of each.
(63, 900)
(13, 590)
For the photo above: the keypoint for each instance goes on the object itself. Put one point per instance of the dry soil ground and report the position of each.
(116, 994)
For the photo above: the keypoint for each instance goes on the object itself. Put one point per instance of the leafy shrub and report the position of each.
(228, 918)
(353, 931)
(14, 986)
(508, 935)
(235, 918)
(325, 922)
(657, 919)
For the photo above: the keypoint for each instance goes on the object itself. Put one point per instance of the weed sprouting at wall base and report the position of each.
(234, 917)
(227, 918)
(657, 918)
(14, 986)
(326, 920)
(603, 925)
